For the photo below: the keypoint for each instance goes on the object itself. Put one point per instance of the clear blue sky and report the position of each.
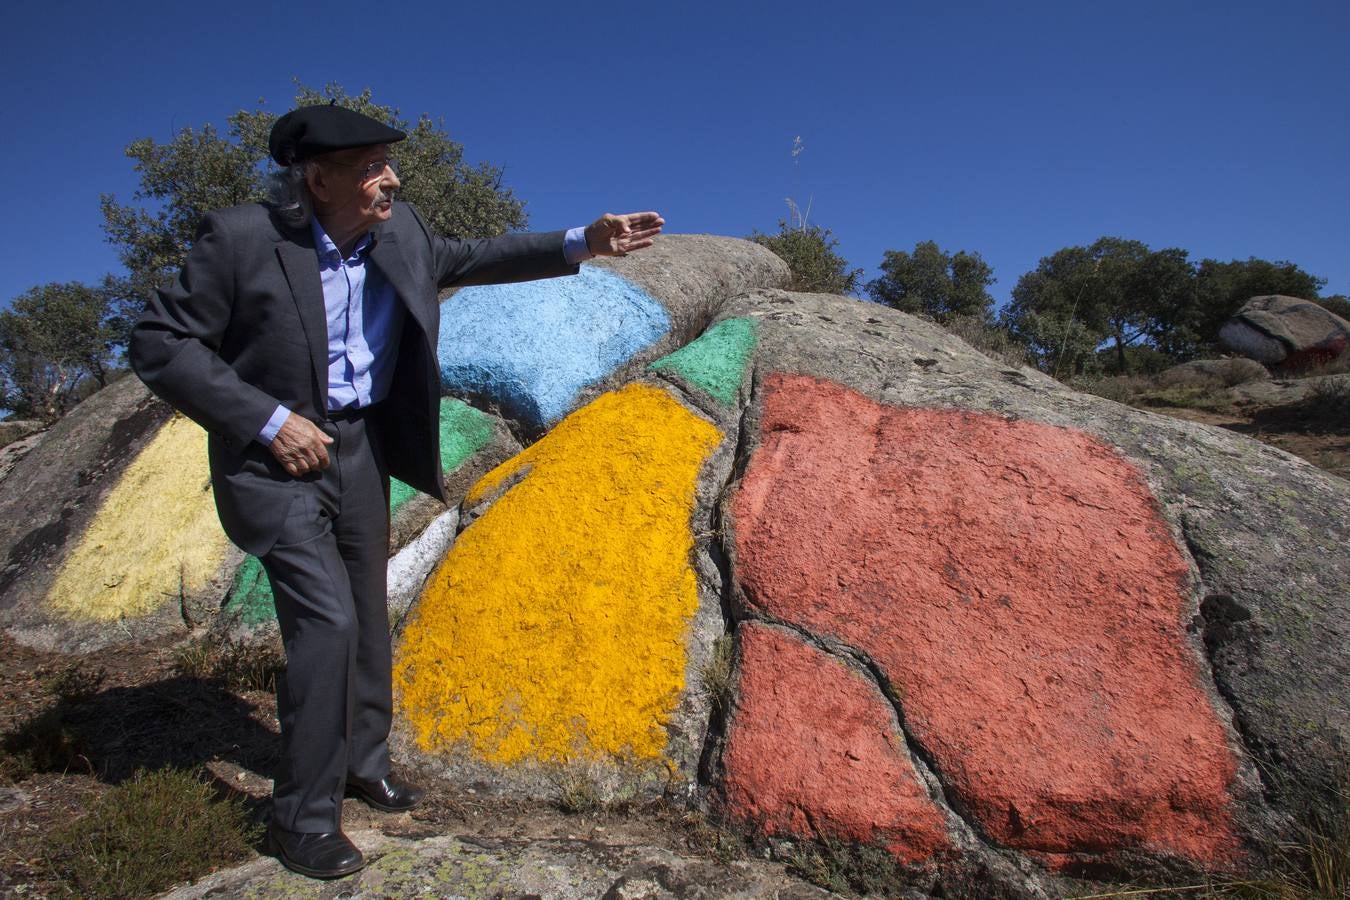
(1008, 129)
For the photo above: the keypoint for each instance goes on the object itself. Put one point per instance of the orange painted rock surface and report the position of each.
(1019, 589)
(815, 751)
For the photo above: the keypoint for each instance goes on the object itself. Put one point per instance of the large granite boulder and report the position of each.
(1286, 332)
(843, 578)
(1086, 641)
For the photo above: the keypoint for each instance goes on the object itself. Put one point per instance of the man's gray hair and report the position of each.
(290, 196)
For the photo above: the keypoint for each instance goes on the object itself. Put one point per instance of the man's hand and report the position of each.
(612, 235)
(300, 446)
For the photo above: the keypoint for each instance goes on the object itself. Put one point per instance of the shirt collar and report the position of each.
(328, 251)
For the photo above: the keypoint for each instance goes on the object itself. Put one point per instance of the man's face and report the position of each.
(352, 190)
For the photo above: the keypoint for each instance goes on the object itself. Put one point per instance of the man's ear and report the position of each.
(317, 181)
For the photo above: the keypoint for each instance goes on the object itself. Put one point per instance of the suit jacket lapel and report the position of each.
(301, 265)
(393, 265)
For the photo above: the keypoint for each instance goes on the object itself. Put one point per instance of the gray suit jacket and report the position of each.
(243, 328)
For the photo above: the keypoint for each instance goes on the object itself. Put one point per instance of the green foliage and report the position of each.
(934, 283)
(57, 343)
(1115, 289)
(1328, 404)
(148, 834)
(809, 253)
(1141, 359)
(201, 169)
(1122, 293)
(1059, 342)
(195, 172)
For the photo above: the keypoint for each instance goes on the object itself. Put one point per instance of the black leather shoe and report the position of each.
(325, 855)
(387, 795)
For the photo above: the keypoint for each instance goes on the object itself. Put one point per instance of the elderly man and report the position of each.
(302, 337)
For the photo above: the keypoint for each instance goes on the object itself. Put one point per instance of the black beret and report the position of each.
(311, 130)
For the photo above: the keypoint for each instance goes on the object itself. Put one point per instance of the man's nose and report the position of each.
(389, 180)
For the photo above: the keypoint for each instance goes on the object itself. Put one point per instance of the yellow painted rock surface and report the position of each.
(155, 535)
(554, 629)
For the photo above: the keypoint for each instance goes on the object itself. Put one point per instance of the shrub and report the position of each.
(1329, 404)
(809, 252)
(149, 833)
(45, 743)
(1120, 388)
(77, 684)
(845, 867)
(238, 665)
(989, 339)
(1212, 396)
(716, 673)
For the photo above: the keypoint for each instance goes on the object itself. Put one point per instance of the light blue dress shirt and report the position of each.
(365, 320)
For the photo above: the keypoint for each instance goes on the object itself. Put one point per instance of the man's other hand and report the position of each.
(300, 446)
(612, 235)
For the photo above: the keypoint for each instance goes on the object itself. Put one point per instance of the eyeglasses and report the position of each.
(370, 171)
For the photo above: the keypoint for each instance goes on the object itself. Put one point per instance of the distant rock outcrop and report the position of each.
(1286, 332)
(824, 569)
(1229, 372)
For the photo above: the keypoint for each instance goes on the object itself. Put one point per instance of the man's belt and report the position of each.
(351, 413)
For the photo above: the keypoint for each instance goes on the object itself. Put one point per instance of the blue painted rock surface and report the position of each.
(531, 348)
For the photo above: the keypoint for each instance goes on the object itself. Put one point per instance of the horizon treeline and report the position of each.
(1114, 307)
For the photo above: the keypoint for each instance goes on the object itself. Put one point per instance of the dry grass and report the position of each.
(1181, 389)
(716, 673)
(47, 741)
(235, 665)
(1329, 403)
(990, 340)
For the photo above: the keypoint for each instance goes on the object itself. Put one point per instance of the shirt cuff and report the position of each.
(269, 431)
(574, 246)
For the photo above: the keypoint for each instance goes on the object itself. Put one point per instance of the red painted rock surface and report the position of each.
(814, 751)
(1019, 589)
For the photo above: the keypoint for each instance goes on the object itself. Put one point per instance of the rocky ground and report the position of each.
(126, 710)
(1284, 419)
